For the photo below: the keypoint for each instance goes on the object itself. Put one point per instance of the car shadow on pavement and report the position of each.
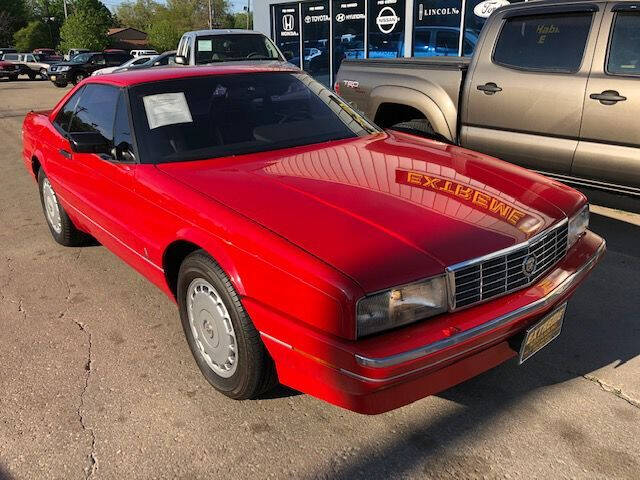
(600, 330)
(4, 475)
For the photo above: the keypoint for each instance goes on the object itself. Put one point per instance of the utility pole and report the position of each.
(210, 16)
(64, 3)
(248, 10)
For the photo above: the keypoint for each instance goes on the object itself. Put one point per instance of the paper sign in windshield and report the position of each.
(205, 45)
(166, 109)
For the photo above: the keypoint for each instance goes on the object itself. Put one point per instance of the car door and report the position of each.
(101, 184)
(609, 147)
(525, 92)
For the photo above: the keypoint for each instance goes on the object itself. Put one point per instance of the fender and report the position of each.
(420, 101)
(216, 248)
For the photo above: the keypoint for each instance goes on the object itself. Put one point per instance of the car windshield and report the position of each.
(82, 58)
(234, 114)
(233, 47)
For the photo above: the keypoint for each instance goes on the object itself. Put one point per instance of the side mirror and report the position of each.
(123, 153)
(181, 60)
(88, 142)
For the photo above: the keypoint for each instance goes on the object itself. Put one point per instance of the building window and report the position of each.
(287, 31)
(436, 27)
(315, 40)
(348, 31)
(386, 28)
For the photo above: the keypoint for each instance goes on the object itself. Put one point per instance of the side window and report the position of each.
(66, 112)
(98, 60)
(624, 47)
(96, 111)
(121, 126)
(447, 42)
(551, 43)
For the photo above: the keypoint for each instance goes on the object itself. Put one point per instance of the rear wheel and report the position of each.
(13, 78)
(225, 345)
(62, 228)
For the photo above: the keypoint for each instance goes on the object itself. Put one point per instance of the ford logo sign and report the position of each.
(486, 8)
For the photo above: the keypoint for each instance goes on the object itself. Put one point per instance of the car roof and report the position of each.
(137, 77)
(222, 31)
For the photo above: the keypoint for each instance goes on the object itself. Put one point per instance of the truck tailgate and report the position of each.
(424, 83)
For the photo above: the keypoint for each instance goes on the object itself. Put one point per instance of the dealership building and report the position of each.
(318, 34)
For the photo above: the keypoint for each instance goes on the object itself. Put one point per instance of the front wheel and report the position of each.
(225, 345)
(43, 73)
(62, 228)
(78, 78)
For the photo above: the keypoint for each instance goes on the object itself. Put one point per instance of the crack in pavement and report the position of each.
(613, 390)
(92, 461)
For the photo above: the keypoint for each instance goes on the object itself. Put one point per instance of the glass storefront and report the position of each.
(286, 30)
(315, 40)
(317, 35)
(386, 29)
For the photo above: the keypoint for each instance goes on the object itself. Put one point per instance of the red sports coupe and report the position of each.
(301, 243)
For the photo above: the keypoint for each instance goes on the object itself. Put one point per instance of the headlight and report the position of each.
(401, 305)
(63, 69)
(578, 225)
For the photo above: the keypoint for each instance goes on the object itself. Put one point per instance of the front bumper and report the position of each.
(59, 78)
(387, 371)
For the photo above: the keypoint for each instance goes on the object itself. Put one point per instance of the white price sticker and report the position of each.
(166, 109)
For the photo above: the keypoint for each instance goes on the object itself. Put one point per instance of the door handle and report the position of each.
(608, 97)
(64, 153)
(489, 88)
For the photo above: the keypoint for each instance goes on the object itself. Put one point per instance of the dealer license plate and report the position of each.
(542, 333)
(53, 78)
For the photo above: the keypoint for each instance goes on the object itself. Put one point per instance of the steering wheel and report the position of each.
(292, 115)
(254, 54)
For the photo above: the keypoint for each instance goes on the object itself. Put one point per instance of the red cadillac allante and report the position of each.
(301, 243)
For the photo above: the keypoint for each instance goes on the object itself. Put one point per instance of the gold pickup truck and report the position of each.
(553, 86)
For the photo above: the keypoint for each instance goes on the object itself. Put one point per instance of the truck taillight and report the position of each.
(336, 87)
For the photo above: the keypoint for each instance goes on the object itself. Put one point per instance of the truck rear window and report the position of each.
(234, 114)
(548, 43)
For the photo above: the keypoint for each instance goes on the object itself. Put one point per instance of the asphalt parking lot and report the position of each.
(96, 380)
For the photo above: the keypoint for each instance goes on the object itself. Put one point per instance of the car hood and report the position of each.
(386, 209)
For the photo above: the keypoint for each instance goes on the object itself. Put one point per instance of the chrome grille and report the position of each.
(495, 275)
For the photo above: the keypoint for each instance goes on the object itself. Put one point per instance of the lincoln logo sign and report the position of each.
(387, 20)
(491, 205)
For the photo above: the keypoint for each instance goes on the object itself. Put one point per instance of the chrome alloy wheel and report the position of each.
(51, 208)
(212, 328)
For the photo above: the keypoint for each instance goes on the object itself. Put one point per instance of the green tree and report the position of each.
(51, 13)
(139, 14)
(240, 20)
(163, 35)
(34, 35)
(85, 29)
(13, 16)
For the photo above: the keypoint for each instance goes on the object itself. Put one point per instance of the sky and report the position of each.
(235, 5)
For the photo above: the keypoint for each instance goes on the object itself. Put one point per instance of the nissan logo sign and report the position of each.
(387, 20)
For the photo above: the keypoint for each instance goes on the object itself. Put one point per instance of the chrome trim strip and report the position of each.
(111, 234)
(425, 350)
(274, 339)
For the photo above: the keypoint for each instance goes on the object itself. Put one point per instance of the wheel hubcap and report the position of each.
(51, 208)
(212, 328)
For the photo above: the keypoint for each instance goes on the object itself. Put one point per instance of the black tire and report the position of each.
(78, 77)
(60, 85)
(420, 127)
(31, 75)
(254, 373)
(43, 74)
(13, 78)
(69, 235)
